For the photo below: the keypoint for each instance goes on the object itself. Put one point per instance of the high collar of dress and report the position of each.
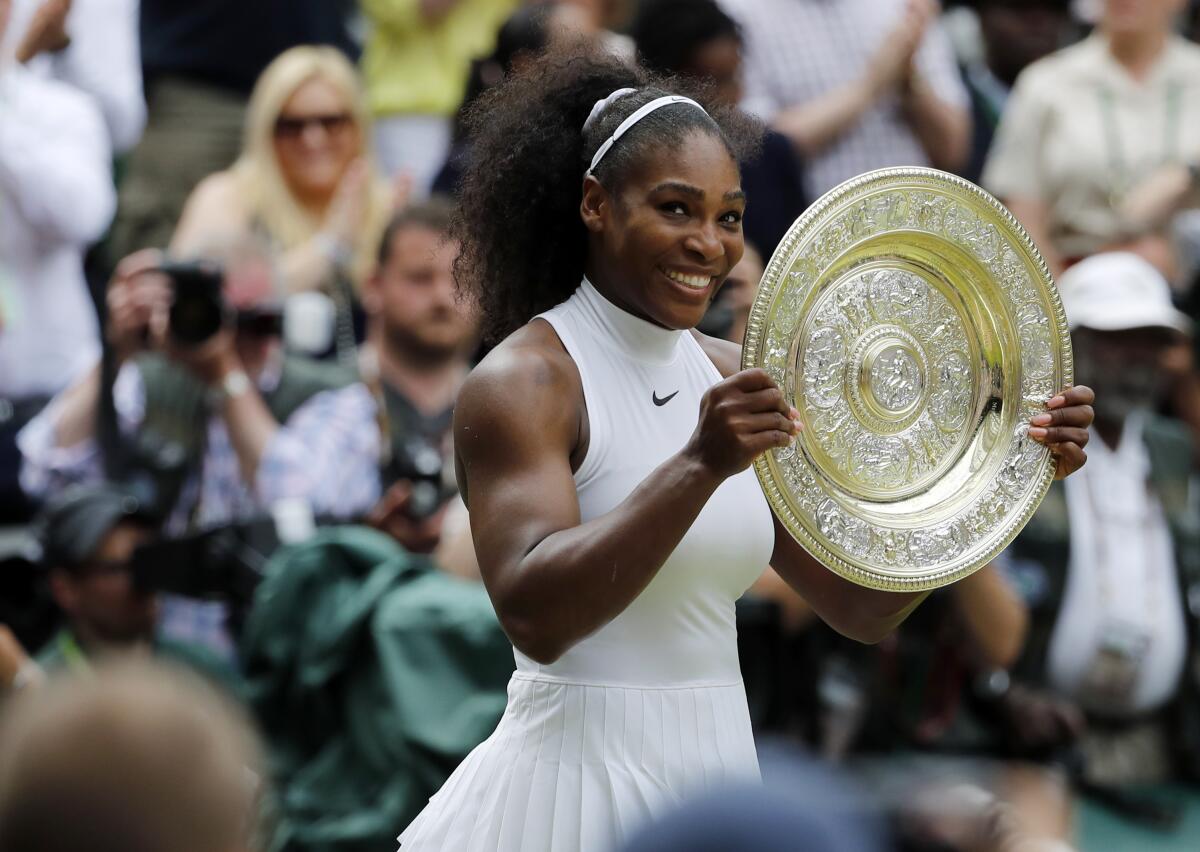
(635, 336)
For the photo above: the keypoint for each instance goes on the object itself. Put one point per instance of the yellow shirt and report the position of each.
(1079, 132)
(416, 67)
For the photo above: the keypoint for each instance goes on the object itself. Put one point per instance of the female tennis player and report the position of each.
(603, 448)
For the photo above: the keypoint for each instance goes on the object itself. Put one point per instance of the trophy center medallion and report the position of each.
(887, 381)
(894, 378)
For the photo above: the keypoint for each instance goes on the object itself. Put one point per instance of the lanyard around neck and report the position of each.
(72, 654)
(1118, 163)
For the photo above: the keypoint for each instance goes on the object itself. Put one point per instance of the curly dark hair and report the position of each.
(523, 243)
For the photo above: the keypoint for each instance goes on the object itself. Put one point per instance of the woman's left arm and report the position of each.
(868, 615)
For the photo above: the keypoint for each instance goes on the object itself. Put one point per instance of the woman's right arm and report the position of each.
(553, 579)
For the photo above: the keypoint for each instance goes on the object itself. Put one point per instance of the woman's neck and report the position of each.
(1137, 52)
(601, 279)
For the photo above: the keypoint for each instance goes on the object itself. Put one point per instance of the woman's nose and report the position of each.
(705, 242)
(314, 135)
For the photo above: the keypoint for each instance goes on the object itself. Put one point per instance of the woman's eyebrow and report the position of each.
(695, 191)
(678, 186)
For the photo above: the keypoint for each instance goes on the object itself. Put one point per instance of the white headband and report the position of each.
(637, 115)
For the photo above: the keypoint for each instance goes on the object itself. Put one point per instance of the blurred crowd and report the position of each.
(230, 346)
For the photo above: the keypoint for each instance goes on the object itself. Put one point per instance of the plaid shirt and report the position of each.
(326, 454)
(798, 50)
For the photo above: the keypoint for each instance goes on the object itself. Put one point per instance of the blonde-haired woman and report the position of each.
(305, 181)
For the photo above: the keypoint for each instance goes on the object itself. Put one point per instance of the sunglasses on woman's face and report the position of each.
(293, 126)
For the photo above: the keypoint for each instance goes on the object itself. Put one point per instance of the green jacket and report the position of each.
(372, 675)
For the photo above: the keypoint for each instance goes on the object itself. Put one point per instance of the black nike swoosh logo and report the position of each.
(664, 400)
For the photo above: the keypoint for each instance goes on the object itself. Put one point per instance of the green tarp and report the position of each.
(372, 675)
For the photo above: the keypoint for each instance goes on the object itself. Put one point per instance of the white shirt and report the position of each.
(56, 198)
(799, 50)
(1079, 132)
(1122, 573)
(103, 60)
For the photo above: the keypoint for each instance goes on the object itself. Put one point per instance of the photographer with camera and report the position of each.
(420, 339)
(90, 536)
(206, 418)
(202, 375)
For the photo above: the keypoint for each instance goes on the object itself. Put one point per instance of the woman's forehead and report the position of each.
(315, 93)
(699, 159)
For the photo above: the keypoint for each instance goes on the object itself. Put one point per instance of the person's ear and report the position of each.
(372, 298)
(62, 588)
(596, 205)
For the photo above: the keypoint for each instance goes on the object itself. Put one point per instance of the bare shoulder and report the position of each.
(214, 211)
(725, 354)
(219, 188)
(527, 383)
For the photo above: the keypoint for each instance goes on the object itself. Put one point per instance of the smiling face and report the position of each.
(661, 245)
(316, 139)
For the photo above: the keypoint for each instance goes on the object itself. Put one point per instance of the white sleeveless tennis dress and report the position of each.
(650, 708)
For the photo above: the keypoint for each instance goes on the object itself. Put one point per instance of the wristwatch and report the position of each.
(232, 385)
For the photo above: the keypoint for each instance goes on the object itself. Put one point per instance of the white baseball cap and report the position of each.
(1115, 291)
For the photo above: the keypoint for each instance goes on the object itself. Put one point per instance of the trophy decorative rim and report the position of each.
(856, 500)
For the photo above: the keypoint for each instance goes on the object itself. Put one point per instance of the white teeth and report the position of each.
(698, 282)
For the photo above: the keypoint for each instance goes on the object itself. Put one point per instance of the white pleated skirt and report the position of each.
(575, 767)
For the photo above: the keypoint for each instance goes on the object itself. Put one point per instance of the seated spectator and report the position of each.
(56, 198)
(93, 46)
(89, 535)
(199, 63)
(1088, 124)
(250, 426)
(305, 180)
(137, 759)
(416, 63)
(420, 340)
(1108, 561)
(1015, 34)
(856, 85)
(695, 38)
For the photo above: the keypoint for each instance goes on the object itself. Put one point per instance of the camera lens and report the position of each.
(197, 308)
(194, 318)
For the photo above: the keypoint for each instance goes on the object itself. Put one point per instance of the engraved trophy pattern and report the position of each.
(888, 360)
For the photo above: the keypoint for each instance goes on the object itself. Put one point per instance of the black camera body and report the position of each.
(198, 309)
(418, 461)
